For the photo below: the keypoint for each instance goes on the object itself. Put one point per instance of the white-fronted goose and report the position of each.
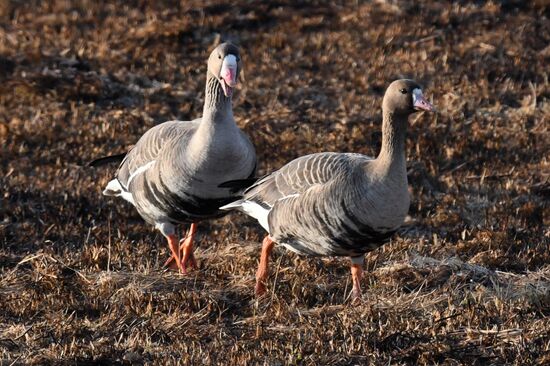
(338, 204)
(173, 173)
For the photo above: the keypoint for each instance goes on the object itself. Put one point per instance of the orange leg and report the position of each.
(186, 248)
(261, 274)
(174, 248)
(186, 251)
(356, 275)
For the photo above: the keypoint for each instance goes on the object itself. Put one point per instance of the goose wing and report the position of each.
(149, 147)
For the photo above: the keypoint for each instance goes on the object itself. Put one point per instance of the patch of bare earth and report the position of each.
(466, 281)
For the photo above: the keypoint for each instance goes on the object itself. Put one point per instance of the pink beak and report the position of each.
(420, 103)
(228, 74)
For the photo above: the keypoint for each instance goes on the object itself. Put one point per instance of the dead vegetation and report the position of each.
(467, 281)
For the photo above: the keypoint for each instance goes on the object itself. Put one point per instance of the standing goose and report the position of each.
(173, 173)
(338, 204)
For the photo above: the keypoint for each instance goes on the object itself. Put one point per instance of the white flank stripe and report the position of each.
(140, 170)
(289, 196)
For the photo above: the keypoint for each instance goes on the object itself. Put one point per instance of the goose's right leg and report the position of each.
(356, 276)
(186, 248)
(185, 251)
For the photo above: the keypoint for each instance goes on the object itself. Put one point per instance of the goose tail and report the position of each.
(107, 160)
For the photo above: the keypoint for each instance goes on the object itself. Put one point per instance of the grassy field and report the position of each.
(465, 282)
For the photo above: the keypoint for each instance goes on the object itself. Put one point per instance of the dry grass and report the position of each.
(465, 282)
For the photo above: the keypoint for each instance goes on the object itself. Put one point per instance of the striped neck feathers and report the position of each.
(216, 105)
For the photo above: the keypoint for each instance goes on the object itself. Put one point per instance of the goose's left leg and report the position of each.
(169, 232)
(261, 274)
(356, 276)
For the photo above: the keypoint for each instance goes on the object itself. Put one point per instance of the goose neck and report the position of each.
(392, 153)
(217, 107)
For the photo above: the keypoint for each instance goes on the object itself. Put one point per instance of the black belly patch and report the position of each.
(184, 207)
(346, 235)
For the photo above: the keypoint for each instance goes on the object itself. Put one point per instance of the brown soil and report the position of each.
(466, 281)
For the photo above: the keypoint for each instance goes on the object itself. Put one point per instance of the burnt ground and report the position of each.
(466, 281)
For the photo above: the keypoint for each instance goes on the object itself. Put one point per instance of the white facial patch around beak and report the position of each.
(419, 102)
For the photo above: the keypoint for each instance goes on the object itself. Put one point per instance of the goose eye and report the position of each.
(403, 91)
(220, 57)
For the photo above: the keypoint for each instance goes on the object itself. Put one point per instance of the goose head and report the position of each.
(405, 97)
(225, 64)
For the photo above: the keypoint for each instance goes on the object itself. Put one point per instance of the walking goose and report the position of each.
(173, 173)
(338, 204)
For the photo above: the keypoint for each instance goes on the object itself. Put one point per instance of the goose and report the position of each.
(172, 174)
(338, 204)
